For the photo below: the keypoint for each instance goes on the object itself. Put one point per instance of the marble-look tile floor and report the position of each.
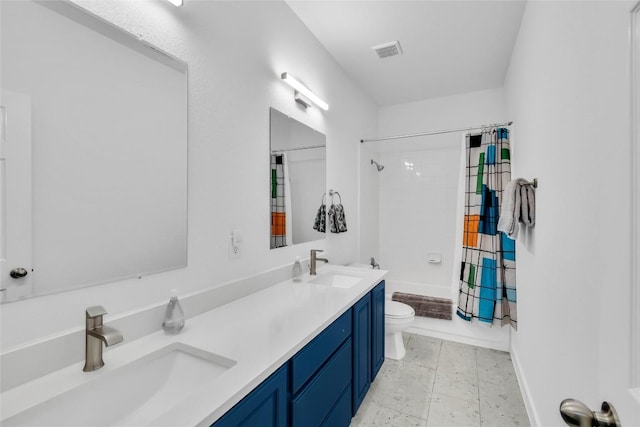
(444, 384)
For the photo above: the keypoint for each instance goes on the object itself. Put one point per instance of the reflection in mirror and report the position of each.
(106, 119)
(298, 180)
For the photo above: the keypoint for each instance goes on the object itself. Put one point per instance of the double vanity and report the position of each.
(296, 353)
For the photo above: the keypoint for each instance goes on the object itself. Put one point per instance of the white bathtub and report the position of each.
(454, 330)
(427, 289)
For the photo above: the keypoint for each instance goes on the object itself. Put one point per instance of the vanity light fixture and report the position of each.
(301, 99)
(305, 91)
(176, 3)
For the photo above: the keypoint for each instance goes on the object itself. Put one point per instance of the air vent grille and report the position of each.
(386, 50)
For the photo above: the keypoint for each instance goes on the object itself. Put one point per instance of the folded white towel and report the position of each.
(508, 222)
(518, 204)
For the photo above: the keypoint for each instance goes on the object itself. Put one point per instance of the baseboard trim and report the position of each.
(463, 339)
(530, 406)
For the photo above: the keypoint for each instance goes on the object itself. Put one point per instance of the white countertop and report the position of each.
(260, 331)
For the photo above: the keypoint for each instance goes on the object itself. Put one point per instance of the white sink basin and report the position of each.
(134, 394)
(337, 280)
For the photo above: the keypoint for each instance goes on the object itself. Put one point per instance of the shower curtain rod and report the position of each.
(309, 147)
(434, 132)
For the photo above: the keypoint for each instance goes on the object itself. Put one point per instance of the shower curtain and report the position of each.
(487, 273)
(278, 205)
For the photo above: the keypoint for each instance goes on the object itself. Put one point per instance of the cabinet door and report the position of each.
(315, 401)
(377, 329)
(266, 406)
(340, 415)
(361, 350)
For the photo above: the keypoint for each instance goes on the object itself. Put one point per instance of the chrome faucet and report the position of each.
(96, 334)
(374, 264)
(312, 261)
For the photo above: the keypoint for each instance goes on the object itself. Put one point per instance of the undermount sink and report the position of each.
(337, 280)
(135, 394)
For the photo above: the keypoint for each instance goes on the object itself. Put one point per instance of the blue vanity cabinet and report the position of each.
(321, 378)
(266, 406)
(323, 384)
(377, 329)
(340, 414)
(319, 402)
(315, 354)
(361, 350)
(368, 342)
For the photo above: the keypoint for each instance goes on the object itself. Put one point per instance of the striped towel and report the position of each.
(337, 220)
(527, 205)
(518, 205)
(321, 218)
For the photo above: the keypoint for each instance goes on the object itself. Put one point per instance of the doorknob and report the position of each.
(577, 414)
(17, 273)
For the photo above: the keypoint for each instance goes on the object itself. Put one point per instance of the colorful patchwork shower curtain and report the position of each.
(278, 205)
(487, 274)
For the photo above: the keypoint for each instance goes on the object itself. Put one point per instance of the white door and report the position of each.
(619, 382)
(15, 196)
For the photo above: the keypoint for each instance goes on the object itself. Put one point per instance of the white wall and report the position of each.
(451, 112)
(236, 52)
(368, 199)
(567, 89)
(440, 211)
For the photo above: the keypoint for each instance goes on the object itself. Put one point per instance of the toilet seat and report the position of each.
(398, 310)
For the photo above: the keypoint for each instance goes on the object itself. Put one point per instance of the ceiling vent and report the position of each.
(386, 50)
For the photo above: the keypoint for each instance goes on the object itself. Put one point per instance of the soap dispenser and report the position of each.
(297, 270)
(174, 316)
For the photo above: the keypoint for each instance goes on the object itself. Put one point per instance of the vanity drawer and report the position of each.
(313, 355)
(315, 402)
(340, 415)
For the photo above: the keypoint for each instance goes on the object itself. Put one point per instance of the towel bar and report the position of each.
(533, 183)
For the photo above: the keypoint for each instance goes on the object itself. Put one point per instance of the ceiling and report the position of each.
(449, 47)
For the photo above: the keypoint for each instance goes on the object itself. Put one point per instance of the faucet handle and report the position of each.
(315, 251)
(95, 311)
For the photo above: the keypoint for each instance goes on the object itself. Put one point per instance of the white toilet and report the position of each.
(397, 318)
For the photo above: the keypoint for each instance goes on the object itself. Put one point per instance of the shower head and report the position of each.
(378, 165)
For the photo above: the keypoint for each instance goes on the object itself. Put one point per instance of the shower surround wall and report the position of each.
(422, 214)
(417, 208)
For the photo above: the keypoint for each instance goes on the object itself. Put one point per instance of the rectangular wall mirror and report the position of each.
(104, 115)
(298, 180)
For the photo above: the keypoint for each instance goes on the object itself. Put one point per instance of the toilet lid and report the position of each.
(397, 310)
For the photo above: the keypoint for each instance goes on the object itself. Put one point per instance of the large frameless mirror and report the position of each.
(298, 180)
(94, 152)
